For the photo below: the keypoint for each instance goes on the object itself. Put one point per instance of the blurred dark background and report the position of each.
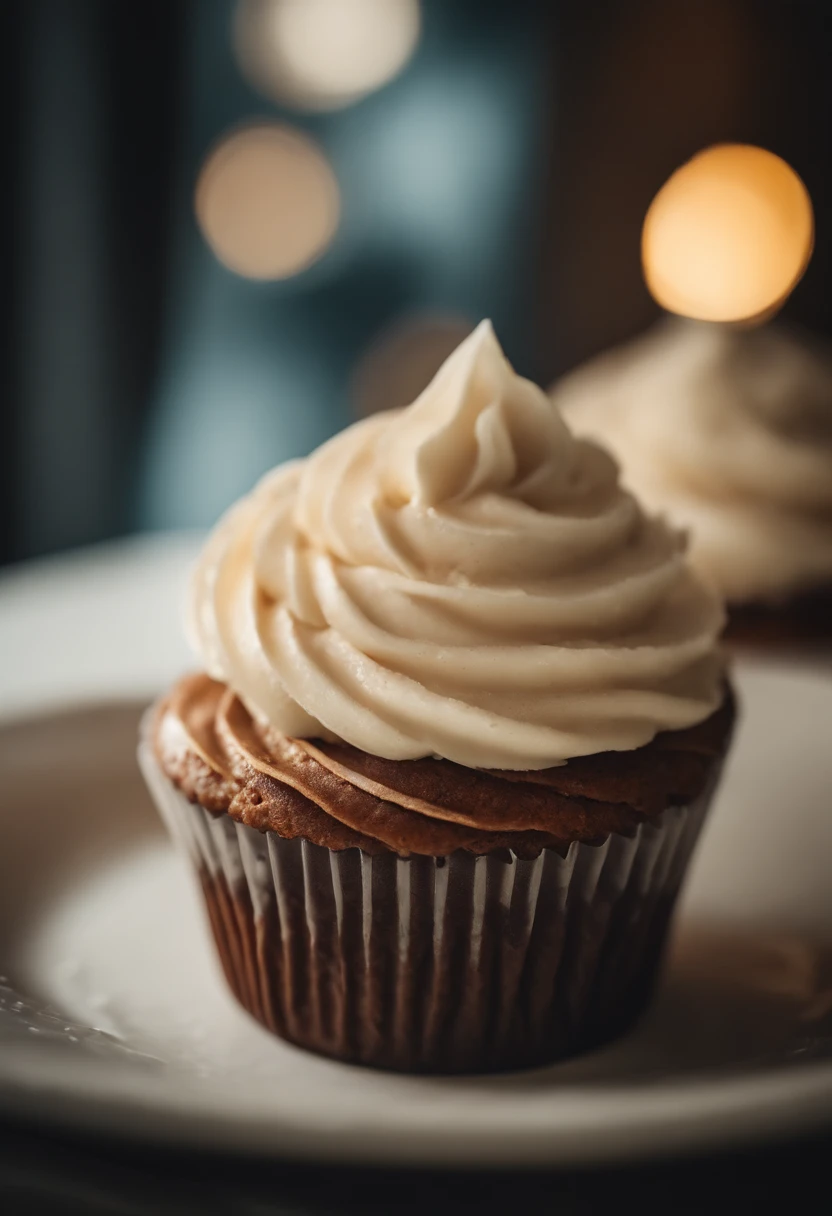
(479, 157)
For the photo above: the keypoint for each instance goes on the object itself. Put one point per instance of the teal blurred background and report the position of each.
(440, 178)
(496, 161)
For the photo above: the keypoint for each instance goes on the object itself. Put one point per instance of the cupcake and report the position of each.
(729, 432)
(462, 714)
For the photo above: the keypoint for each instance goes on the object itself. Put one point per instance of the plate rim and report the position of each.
(671, 1119)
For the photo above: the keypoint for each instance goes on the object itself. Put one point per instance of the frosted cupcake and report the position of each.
(728, 432)
(462, 715)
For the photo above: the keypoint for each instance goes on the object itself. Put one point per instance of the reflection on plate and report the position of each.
(113, 1012)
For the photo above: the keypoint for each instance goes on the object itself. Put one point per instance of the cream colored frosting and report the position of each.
(730, 433)
(463, 579)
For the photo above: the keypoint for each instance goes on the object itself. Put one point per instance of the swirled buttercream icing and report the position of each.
(730, 433)
(461, 579)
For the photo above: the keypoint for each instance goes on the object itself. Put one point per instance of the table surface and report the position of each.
(60, 1174)
(48, 1170)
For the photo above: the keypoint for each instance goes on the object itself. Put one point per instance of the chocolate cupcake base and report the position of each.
(450, 964)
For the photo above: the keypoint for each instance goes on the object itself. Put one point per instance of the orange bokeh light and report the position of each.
(728, 236)
(267, 201)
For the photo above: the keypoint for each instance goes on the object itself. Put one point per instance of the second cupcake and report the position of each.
(728, 431)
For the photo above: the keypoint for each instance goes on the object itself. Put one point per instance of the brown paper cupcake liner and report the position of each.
(447, 964)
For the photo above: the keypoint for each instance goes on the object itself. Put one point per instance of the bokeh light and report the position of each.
(267, 201)
(324, 54)
(403, 360)
(728, 236)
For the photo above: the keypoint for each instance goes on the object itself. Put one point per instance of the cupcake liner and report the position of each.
(450, 964)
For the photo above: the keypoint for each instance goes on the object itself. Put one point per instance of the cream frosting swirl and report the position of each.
(462, 579)
(729, 432)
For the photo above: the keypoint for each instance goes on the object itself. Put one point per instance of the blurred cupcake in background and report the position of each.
(720, 422)
(728, 432)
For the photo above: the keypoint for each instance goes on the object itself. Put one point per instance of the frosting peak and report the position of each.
(476, 429)
(462, 578)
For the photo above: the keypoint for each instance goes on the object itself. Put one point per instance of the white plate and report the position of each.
(125, 1023)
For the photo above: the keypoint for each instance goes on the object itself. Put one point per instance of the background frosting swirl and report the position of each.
(463, 579)
(729, 432)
